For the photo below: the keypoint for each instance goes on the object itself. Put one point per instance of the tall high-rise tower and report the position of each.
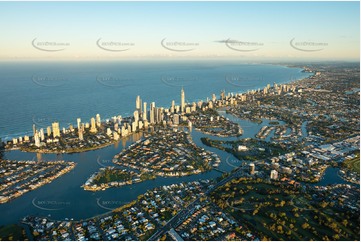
(80, 133)
(138, 103)
(98, 120)
(172, 108)
(78, 121)
(93, 127)
(56, 129)
(145, 111)
(34, 130)
(48, 131)
(136, 116)
(37, 139)
(152, 113)
(223, 94)
(182, 101)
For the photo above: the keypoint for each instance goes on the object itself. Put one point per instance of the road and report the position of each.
(175, 221)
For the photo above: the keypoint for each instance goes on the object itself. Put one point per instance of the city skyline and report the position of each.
(251, 31)
(180, 121)
(279, 131)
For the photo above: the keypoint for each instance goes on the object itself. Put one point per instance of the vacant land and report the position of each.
(353, 164)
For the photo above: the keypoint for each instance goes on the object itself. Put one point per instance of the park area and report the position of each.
(286, 212)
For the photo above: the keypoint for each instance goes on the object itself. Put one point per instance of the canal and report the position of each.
(65, 199)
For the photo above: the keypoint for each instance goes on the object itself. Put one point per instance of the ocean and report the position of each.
(43, 92)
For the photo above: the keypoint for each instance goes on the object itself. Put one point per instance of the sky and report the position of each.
(250, 31)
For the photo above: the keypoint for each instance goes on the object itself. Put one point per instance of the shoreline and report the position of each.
(134, 133)
(70, 165)
(9, 137)
(129, 117)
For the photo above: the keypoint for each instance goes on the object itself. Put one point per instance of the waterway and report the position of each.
(64, 198)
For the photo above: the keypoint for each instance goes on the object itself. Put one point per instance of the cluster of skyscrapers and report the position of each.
(142, 117)
(52, 134)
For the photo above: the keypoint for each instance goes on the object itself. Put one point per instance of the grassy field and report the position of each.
(283, 212)
(12, 232)
(253, 151)
(110, 175)
(353, 164)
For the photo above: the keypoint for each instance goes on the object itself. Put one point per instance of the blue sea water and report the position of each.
(43, 92)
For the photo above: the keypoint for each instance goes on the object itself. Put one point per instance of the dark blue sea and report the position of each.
(44, 92)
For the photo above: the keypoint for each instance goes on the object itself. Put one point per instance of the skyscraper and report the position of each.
(34, 130)
(41, 134)
(48, 131)
(98, 120)
(182, 101)
(172, 108)
(138, 103)
(56, 130)
(176, 119)
(37, 139)
(80, 133)
(223, 95)
(93, 127)
(152, 113)
(134, 126)
(78, 121)
(145, 111)
(136, 116)
(159, 117)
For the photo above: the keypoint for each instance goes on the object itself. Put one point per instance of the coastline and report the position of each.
(242, 92)
(9, 137)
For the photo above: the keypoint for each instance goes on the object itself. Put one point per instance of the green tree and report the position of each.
(344, 222)
(305, 226)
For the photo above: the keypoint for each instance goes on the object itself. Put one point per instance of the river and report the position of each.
(64, 197)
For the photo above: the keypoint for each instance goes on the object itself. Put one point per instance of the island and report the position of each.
(20, 177)
(165, 152)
